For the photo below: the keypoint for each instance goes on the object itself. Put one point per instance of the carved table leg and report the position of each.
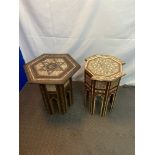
(113, 101)
(61, 98)
(45, 98)
(105, 102)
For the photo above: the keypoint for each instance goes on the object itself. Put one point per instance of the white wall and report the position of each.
(80, 28)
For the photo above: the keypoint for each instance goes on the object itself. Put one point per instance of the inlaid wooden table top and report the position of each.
(104, 67)
(51, 69)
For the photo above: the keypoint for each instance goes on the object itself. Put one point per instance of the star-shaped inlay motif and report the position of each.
(50, 67)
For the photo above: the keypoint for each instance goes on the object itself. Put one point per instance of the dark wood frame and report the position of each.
(60, 95)
(61, 98)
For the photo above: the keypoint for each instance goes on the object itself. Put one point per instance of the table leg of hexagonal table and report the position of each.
(61, 98)
(45, 98)
(71, 91)
(68, 93)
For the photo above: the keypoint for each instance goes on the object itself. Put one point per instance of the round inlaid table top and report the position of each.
(104, 67)
(51, 69)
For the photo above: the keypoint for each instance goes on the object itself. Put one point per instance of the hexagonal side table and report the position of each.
(53, 72)
(102, 77)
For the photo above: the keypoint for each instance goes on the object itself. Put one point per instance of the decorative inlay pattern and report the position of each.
(105, 73)
(100, 91)
(104, 67)
(100, 85)
(51, 67)
(114, 83)
(50, 87)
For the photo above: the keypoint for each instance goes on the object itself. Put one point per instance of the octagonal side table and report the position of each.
(102, 77)
(53, 72)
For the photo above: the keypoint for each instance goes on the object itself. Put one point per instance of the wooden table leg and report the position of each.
(46, 98)
(113, 102)
(61, 98)
(105, 102)
(71, 91)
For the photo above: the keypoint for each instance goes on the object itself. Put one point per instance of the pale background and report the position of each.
(81, 28)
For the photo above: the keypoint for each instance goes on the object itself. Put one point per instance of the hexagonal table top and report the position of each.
(104, 67)
(51, 69)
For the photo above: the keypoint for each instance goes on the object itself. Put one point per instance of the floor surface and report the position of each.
(77, 132)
